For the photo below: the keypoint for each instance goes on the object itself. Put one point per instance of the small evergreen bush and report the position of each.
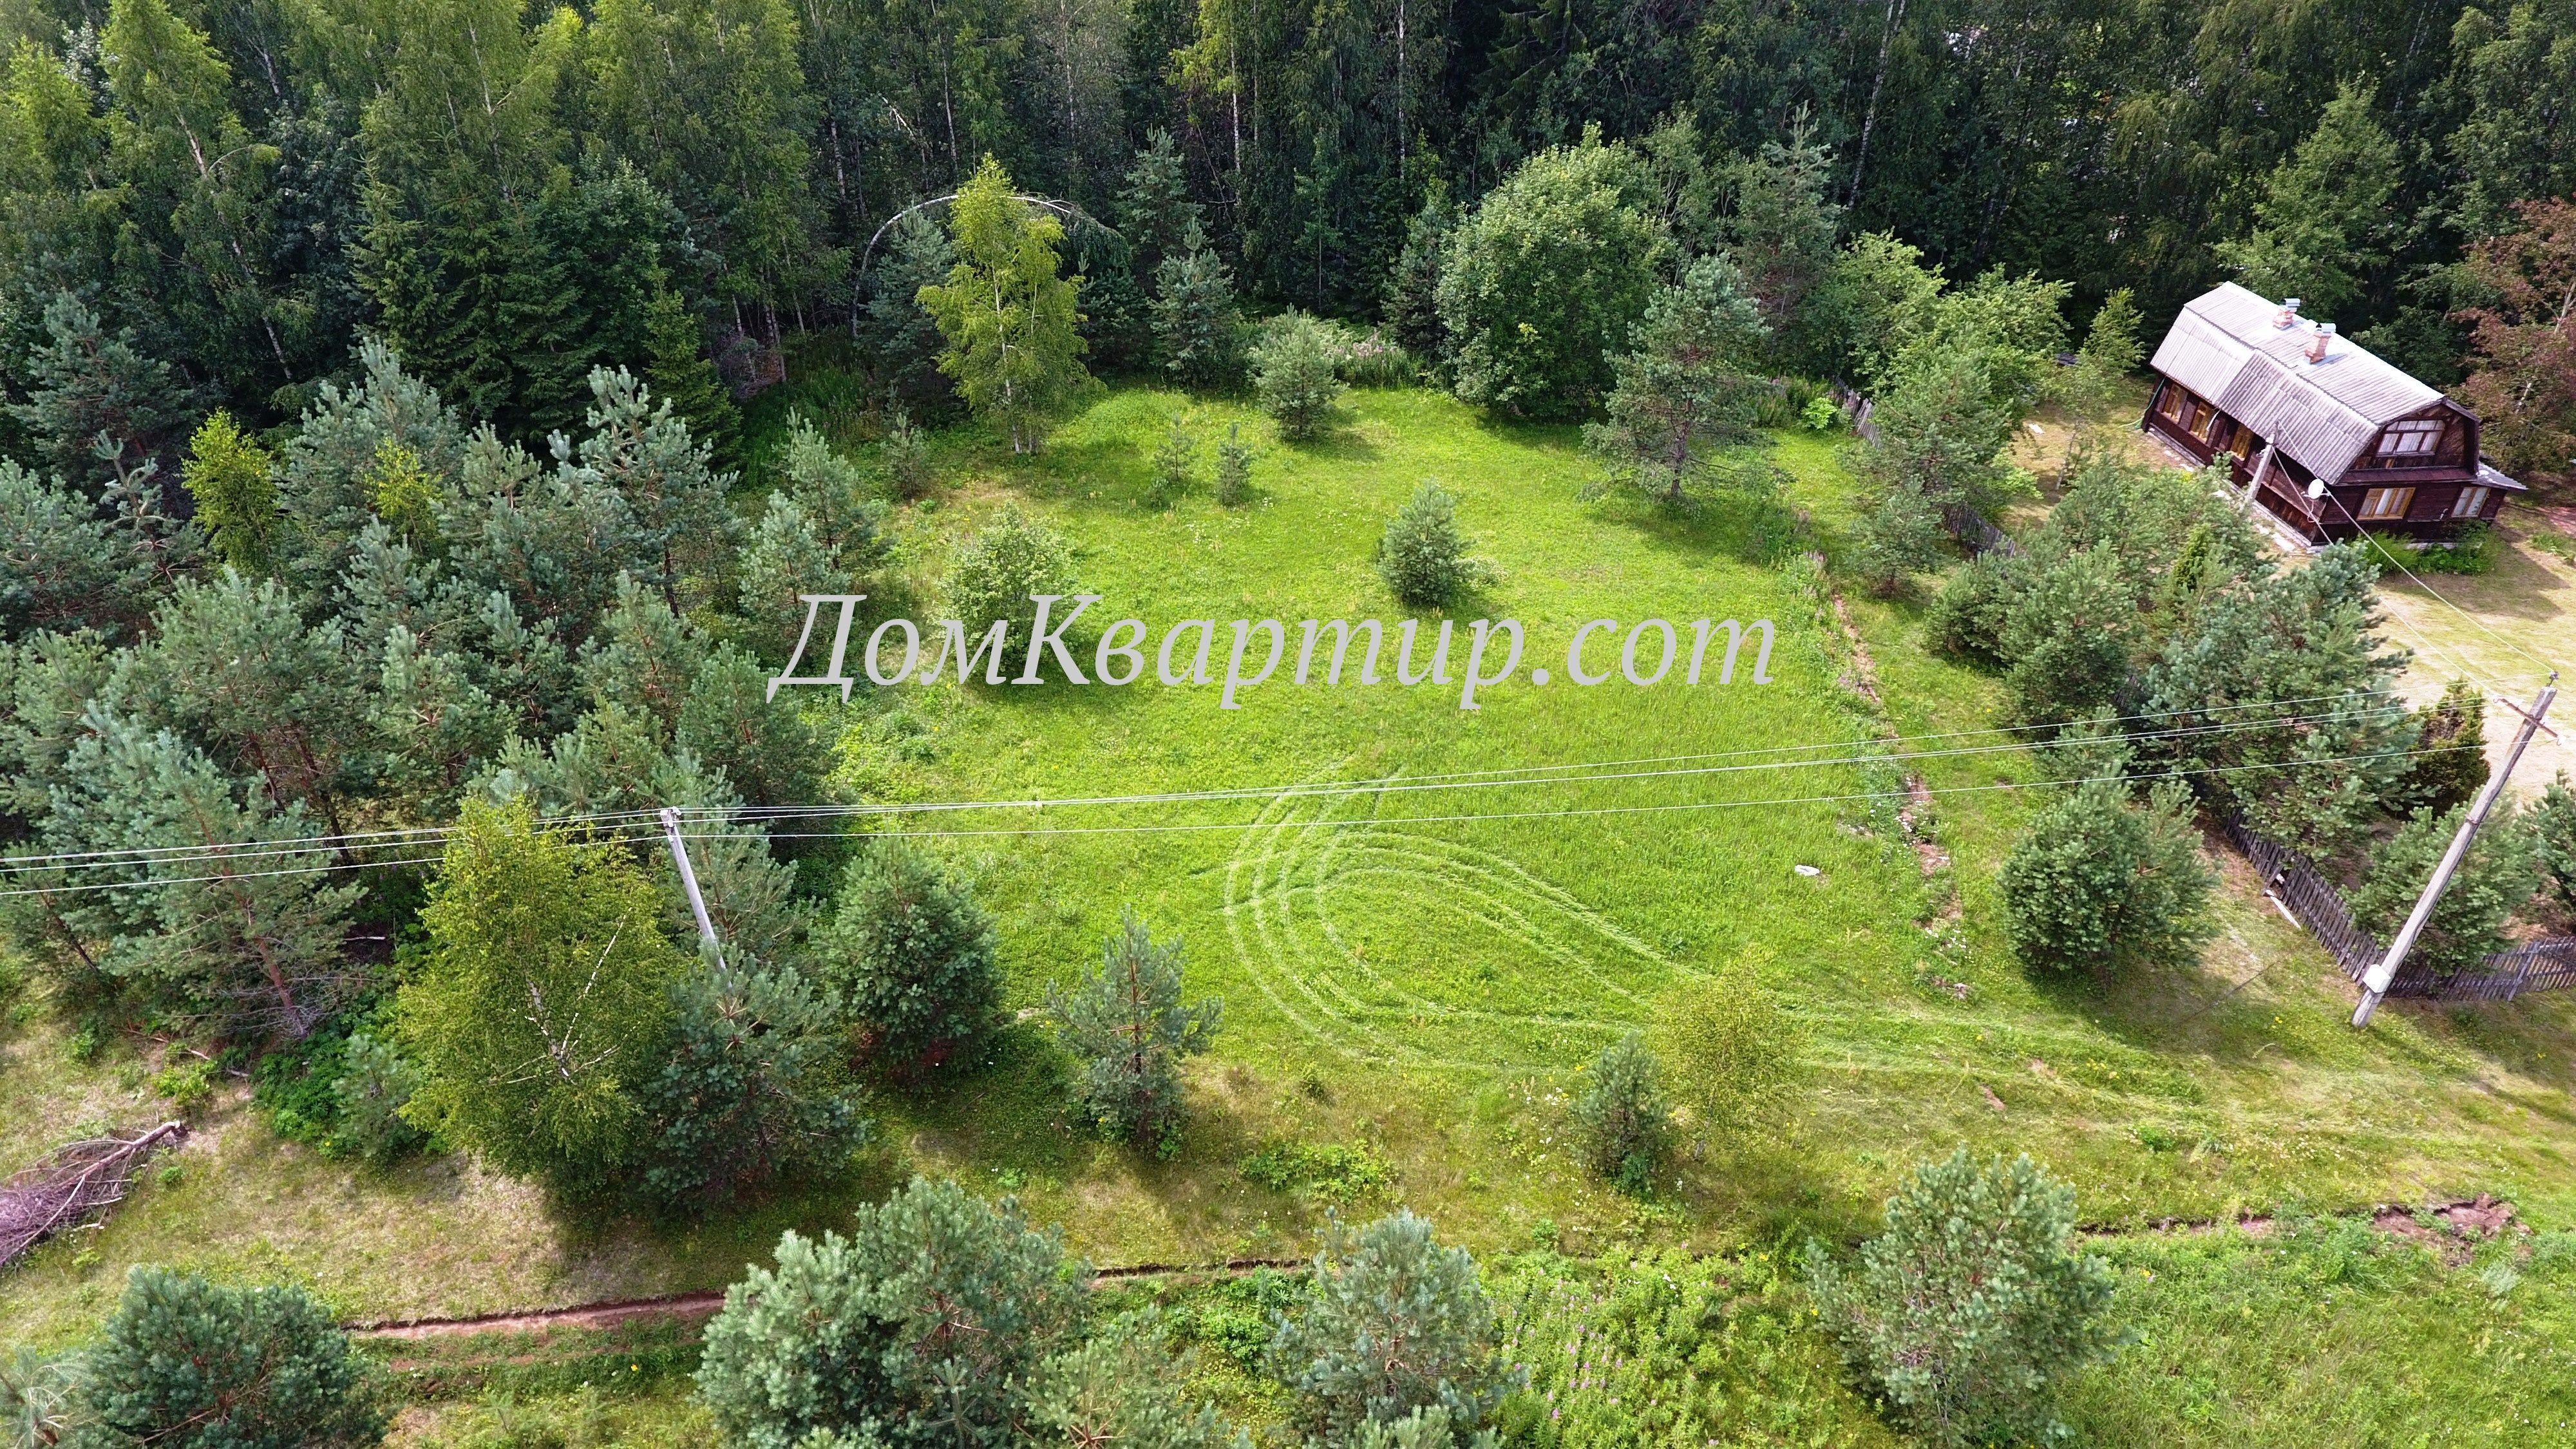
(2100, 882)
(1621, 1117)
(2499, 874)
(2450, 765)
(1233, 468)
(1392, 1323)
(197, 1365)
(1175, 466)
(906, 453)
(912, 957)
(1293, 373)
(1972, 1305)
(1423, 556)
(2553, 822)
(1127, 1025)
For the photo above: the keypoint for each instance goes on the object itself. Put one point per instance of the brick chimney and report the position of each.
(2288, 316)
(2323, 338)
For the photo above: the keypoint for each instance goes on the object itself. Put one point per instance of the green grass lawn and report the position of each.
(1419, 975)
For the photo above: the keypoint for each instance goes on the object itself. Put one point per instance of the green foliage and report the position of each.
(2553, 824)
(373, 1087)
(2111, 353)
(66, 568)
(1942, 432)
(1127, 1025)
(1621, 1117)
(2069, 636)
(1122, 1386)
(1328, 1172)
(542, 1008)
(895, 332)
(1972, 1305)
(102, 405)
(2450, 764)
(2324, 224)
(907, 458)
(182, 1361)
(2500, 873)
(1293, 373)
(747, 1091)
(1821, 415)
(1392, 1323)
(2101, 883)
(1902, 536)
(232, 480)
(1002, 566)
(928, 1325)
(1410, 304)
(1197, 329)
(1233, 468)
(1686, 381)
(2476, 550)
(1967, 618)
(677, 369)
(2517, 284)
(1008, 318)
(911, 953)
(1734, 1053)
(1544, 279)
(1175, 465)
(1423, 555)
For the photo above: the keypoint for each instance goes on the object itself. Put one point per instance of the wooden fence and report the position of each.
(2533, 966)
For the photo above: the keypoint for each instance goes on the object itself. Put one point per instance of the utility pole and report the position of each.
(688, 876)
(2374, 984)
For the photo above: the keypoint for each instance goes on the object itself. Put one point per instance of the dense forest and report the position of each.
(207, 201)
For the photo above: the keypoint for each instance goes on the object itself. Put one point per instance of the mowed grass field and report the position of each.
(1419, 972)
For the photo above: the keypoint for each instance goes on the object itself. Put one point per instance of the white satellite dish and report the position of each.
(2316, 488)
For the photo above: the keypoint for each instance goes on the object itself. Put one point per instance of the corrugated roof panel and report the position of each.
(2226, 347)
(2199, 356)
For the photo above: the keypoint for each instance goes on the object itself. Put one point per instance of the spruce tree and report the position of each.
(1174, 470)
(1781, 228)
(1411, 309)
(896, 333)
(2553, 820)
(62, 567)
(1127, 1024)
(927, 1325)
(88, 386)
(2450, 765)
(677, 369)
(1293, 374)
(1233, 468)
(746, 1091)
(197, 1365)
(1006, 316)
(2323, 227)
(2499, 874)
(1197, 329)
(540, 1010)
(232, 480)
(1155, 212)
(911, 952)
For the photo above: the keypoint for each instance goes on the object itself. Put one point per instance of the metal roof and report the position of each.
(2225, 347)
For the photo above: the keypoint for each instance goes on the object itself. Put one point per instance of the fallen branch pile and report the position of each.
(73, 1184)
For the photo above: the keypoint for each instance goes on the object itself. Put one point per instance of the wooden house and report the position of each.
(2289, 404)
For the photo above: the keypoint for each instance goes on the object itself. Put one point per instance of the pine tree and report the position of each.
(1293, 374)
(913, 960)
(1624, 1122)
(2499, 874)
(746, 1093)
(329, 470)
(2553, 820)
(1392, 1322)
(1197, 329)
(907, 458)
(928, 1324)
(87, 386)
(1008, 319)
(1686, 381)
(783, 558)
(61, 566)
(2099, 883)
(1127, 1024)
(232, 480)
(539, 1012)
(2450, 765)
(1126, 1388)
(1973, 1304)
(1781, 229)
(1233, 468)
(770, 755)
(642, 450)
(1175, 465)
(1423, 555)
(198, 1365)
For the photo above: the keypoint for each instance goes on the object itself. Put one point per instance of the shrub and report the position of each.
(747, 1092)
(2101, 883)
(374, 1085)
(2553, 822)
(1621, 1117)
(1175, 462)
(1373, 359)
(1972, 1304)
(912, 956)
(196, 1365)
(1293, 374)
(2475, 550)
(1423, 556)
(2450, 766)
(1006, 563)
(906, 453)
(1233, 468)
(1967, 617)
(1123, 1388)
(926, 1326)
(1734, 1054)
(2500, 872)
(1329, 1171)
(1821, 415)
(2068, 637)
(1901, 537)
(1392, 1323)
(1127, 1025)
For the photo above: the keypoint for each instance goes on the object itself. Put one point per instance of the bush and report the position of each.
(1006, 563)
(1821, 415)
(1127, 1025)
(1967, 618)
(1423, 556)
(1901, 537)
(1373, 359)
(373, 1087)
(2554, 838)
(906, 453)
(2100, 883)
(1175, 464)
(2499, 874)
(2475, 550)
(926, 1326)
(1392, 1323)
(1972, 1304)
(2450, 766)
(912, 957)
(1123, 1388)
(1734, 1054)
(1233, 468)
(1621, 1117)
(1293, 373)
(747, 1093)
(190, 1364)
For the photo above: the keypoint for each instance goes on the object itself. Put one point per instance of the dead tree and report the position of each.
(72, 1185)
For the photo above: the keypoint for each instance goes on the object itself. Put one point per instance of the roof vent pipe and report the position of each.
(2289, 313)
(2317, 344)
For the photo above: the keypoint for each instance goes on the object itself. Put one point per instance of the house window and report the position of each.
(2387, 502)
(2174, 403)
(2201, 413)
(2415, 438)
(2473, 501)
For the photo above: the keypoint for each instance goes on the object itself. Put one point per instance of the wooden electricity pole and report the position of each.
(688, 877)
(2374, 984)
